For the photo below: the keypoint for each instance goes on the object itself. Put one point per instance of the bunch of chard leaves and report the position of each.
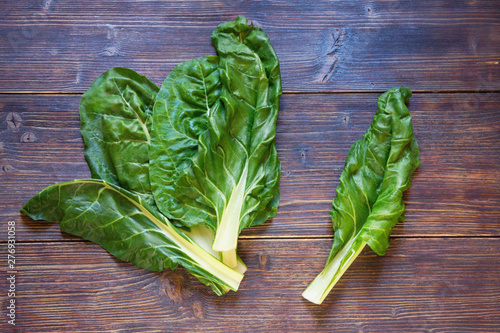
(210, 126)
(369, 201)
(213, 159)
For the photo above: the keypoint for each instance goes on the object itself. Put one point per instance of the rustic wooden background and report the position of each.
(442, 271)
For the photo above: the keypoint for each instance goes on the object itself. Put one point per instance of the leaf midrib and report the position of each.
(143, 125)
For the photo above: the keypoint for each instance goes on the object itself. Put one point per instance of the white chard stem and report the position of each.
(317, 291)
(229, 258)
(226, 236)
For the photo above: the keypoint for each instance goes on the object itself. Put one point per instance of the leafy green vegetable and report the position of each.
(116, 119)
(182, 109)
(206, 108)
(116, 122)
(213, 159)
(130, 229)
(369, 201)
(118, 212)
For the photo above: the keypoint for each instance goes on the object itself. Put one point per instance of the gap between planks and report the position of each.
(289, 92)
(281, 238)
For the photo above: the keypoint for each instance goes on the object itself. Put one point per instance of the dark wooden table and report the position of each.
(442, 271)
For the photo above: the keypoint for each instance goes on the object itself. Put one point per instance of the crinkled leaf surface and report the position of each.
(369, 201)
(116, 115)
(127, 227)
(224, 113)
(377, 171)
(116, 119)
(181, 114)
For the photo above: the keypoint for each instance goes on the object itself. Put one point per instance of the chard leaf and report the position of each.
(129, 228)
(116, 116)
(116, 119)
(369, 201)
(227, 175)
(182, 108)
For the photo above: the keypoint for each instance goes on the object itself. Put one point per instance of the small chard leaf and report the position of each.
(116, 119)
(224, 113)
(369, 201)
(126, 226)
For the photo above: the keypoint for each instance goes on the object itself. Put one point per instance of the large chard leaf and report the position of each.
(129, 228)
(182, 108)
(116, 119)
(116, 114)
(369, 201)
(218, 143)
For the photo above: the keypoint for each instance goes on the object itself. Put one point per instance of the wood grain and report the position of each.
(421, 285)
(442, 271)
(455, 191)
(325, 46)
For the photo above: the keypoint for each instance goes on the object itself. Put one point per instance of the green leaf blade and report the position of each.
(182, 108)
(228, 177)
(369, 199)
(123, 224)
(402, 161)
(116, 122)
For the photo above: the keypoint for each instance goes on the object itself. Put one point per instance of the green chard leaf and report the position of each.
(182, 108)
(369, 201)
(116, 119)
(187, 94)
(116, 116)
(217, 145)
(129, 228)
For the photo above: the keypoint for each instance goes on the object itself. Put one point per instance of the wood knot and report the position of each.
(28, 137)
(254, 23)
(110, 51)
(345, 119)
(173, 288)
(13, 121)
(198, 310)
(264, 261)
(46, 5)
(6, 168)
(334, 46)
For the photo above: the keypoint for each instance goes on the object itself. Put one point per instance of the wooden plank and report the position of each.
(455, 191)
(441, 273)
(445, 285)
(323, 46)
